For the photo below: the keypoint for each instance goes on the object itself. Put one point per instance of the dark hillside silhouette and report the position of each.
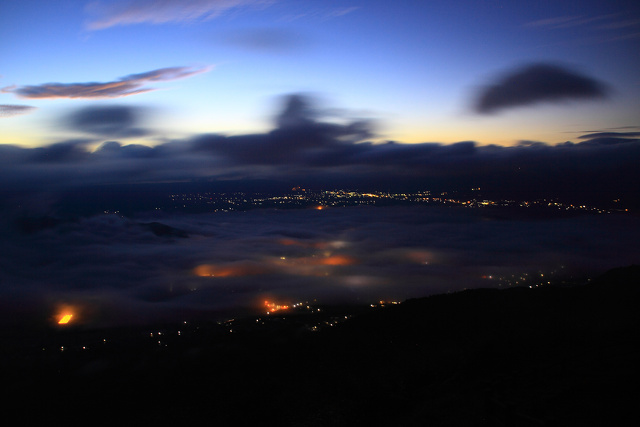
(540, 357)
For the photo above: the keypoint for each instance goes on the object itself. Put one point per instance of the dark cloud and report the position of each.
(114, 149)
(307, 148)
(298, 111)
(125, 86)
(593, 135)
(299, 139)
(69, 152)
(14, 110)
(108, 121)
(611, 138)
(537, 83)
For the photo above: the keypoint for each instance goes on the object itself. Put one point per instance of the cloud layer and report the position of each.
(537, 83)
(108, 121)
(116, 270)
(125, 86)
(305, 148)
(122, 270)
(602, 28)
(130, 12)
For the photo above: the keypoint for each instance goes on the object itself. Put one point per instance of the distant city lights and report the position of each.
(324, 199)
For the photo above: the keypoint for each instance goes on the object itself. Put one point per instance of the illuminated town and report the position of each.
(304, 198)
(273, 316)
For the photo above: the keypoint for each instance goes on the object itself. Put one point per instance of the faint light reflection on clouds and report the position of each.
(125, 273)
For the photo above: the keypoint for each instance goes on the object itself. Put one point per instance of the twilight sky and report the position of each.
(438, 71)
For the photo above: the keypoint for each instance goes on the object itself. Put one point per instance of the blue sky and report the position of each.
(414, 68)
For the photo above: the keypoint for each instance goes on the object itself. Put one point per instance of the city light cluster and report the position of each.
(272, 307)
(323, 199)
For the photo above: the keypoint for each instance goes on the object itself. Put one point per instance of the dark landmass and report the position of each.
(554, 355)
(163, 230)
(35, 224)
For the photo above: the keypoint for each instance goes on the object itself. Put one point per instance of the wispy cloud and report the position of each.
(611, 135)
(132, 84)
(614, 25)
(14, 110)
(610, 27)
(161, 11)
(325, 13)
(341, 11)
(569, 21)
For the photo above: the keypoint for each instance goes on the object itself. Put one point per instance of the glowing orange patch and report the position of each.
(338, 260)
(273, 307)
(420, 256)
(217, 271)
(327, 260)
(65, 319)
(293, 242)
(229, 270)
(288, 242)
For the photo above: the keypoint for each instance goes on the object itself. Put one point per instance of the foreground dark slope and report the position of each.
(548, 356)
(544, 356)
